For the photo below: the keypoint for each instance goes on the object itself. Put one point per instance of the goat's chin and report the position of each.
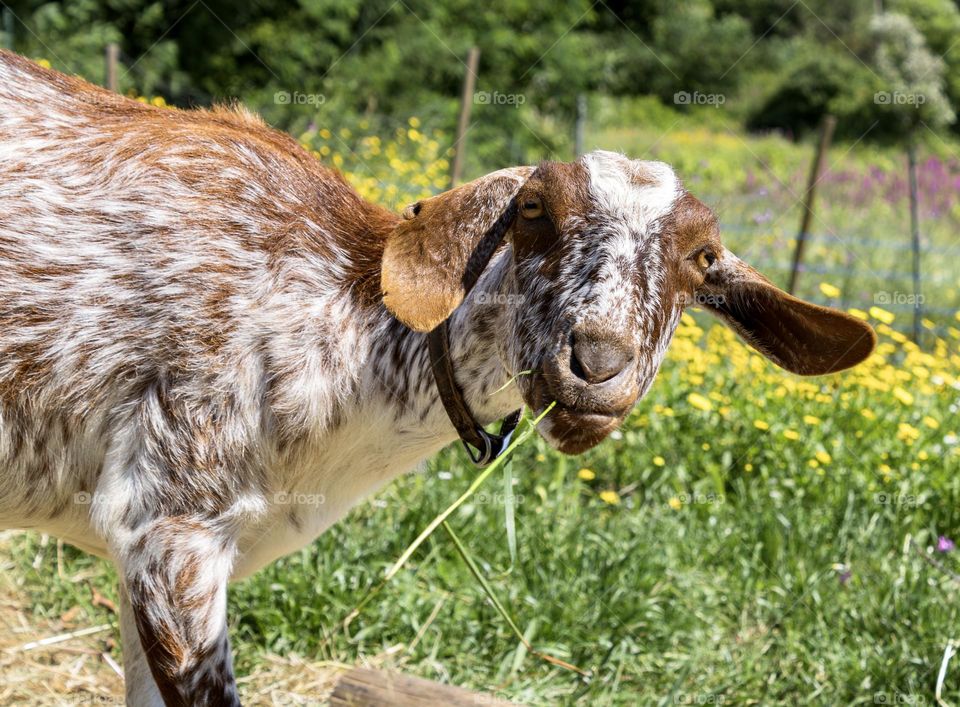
(573, 432)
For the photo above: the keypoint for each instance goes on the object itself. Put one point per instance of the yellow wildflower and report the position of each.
(829, 290)
(931, 422)
(586, 474)
(659, 461)
(761, 425)
(700, 402)
(611, 497)
(882, 315)
(812, 420)
(858, 313)
(823, 457)
(902, 395)
(791, 434)
(907, 433)
(675, 503)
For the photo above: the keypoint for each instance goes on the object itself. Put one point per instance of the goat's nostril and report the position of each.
(597, 360)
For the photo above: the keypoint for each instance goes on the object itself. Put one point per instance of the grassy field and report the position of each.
(748, 537)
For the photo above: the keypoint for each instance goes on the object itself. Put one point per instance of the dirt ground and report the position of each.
(68, 662)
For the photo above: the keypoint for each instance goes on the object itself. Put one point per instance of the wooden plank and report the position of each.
(363, 687)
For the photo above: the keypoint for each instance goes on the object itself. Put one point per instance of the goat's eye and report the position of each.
(411, 211)
(531, 207)
(705, 258)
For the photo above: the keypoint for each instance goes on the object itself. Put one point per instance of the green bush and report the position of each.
(815, 83)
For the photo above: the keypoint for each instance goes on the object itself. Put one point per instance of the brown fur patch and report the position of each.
(432, 260)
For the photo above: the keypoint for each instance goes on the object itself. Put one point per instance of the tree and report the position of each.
(939, 22)
(816, 82)
(913, 77)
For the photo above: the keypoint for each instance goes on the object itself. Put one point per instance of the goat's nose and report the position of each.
(597, 359)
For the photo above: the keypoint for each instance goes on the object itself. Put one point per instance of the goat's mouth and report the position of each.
(573, 426)
(574, 431)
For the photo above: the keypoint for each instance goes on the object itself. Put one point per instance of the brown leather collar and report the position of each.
(481, 446)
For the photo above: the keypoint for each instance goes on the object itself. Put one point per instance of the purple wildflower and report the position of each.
(945, 544)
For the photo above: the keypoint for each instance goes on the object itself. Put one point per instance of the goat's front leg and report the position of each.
(141, 688)
(174, 573)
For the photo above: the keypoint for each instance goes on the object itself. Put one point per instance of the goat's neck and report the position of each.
(400, 363)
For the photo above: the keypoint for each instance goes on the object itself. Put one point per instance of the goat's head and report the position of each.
(606, 253)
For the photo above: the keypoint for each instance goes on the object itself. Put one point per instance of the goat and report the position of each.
(211, 347)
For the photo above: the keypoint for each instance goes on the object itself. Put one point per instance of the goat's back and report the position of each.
(154, 260)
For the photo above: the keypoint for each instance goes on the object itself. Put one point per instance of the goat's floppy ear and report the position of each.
(801, 337)
(435, 255)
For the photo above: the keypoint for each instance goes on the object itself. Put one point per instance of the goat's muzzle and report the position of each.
(593, 379)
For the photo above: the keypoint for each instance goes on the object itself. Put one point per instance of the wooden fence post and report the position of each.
(915, 240)
(581, 126)
(7, 28)
(112, 57)
(826, 135)
(466, 102)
